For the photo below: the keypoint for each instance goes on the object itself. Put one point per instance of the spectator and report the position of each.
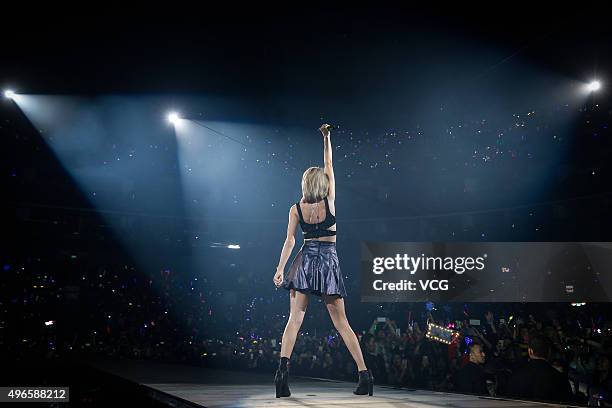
(374, 360)
(471, 378)
(398, 371)
(539, 380)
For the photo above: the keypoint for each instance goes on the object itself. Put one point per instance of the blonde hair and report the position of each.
(315, 184)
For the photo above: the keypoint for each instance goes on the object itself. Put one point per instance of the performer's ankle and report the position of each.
(282, 365)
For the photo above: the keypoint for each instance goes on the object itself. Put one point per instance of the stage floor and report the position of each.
(200, 387)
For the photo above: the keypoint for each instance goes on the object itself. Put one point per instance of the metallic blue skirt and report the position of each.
(316, 269)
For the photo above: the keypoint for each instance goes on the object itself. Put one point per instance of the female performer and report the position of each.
(315, 269)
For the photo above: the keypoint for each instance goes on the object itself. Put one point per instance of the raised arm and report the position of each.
(327, 160)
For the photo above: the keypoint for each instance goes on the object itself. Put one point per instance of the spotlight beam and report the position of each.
(220, 133)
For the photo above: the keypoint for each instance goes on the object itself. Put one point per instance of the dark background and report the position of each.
(398, 82)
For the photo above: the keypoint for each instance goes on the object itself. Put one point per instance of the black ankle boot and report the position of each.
(281, 380)
(366, 383)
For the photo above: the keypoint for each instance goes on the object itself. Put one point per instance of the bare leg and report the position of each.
(298, 302)
(335, 307)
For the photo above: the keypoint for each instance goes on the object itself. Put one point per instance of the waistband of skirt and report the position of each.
(315, 242)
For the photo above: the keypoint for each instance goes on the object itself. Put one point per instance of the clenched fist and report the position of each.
(325, 129)
(278, 278)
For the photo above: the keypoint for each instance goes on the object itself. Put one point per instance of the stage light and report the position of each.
(10, 94)
(594, 86)
(233, 246)
(173, 117)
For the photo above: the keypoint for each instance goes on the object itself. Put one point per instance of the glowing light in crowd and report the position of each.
(440, 333)
(9, 93)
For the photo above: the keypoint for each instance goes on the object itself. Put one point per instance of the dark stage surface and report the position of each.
(181, 385)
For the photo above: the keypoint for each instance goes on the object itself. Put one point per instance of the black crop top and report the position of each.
(319, 229)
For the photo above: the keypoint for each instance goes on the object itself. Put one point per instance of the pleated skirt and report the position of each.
(316, 269)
